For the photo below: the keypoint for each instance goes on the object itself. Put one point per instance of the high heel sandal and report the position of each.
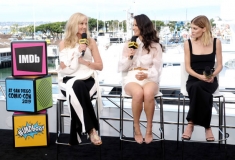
(95, 139)
(140, 139)
(210, 138)
(188, 136)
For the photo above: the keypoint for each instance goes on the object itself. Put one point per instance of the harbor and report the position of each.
(110, 81)
(169, 112)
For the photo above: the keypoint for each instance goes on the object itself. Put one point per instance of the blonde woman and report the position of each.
(76, 79)
(200, 53)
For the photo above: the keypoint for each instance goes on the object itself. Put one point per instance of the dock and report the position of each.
(5, 57)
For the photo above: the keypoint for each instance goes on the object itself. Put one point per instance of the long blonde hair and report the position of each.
(202, 21)
(71, 29)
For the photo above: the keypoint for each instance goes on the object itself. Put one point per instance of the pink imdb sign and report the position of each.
(29, 58)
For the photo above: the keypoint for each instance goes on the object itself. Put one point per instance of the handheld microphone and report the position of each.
(133, 44)
(208, 72)
(83, 41)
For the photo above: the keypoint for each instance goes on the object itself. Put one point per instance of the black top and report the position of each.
(199, 62)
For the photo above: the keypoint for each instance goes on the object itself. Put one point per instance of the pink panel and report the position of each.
(17, 72)
(40, 112)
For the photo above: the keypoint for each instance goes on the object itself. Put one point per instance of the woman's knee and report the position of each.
(149, 93)
(78, 84)
(195, 87)
(138, 94)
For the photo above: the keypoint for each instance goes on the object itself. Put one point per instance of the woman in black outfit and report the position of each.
(200, 52)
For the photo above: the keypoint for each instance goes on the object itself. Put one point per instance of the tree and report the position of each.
(54, 29)
(158, 24)
(212, 22)
(171, 25)
(14, 28)
(92, 23)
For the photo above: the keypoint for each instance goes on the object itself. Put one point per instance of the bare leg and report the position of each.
(136, 92)
(150, 90)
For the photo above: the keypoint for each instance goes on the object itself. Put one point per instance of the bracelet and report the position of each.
(89, 63)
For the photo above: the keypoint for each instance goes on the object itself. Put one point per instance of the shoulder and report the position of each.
(156, 45)
(186, 42)
(91, 41)
(61, 45)
(218, 42)
(218, 46)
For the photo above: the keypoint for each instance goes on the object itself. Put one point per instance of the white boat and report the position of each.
(52, 51)
(103, 39)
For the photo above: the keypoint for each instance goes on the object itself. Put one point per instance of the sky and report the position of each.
(61, 10)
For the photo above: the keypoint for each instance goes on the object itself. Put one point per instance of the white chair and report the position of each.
(122, 119)
(216, 95)
(61, 99)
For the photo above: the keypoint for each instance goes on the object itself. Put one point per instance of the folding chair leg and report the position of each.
(178, 121)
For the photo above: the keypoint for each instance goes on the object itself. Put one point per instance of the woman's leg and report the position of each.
(150, 90)
(136, 92)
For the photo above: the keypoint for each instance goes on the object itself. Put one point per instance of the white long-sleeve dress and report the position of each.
(78, 83)
(151, 61)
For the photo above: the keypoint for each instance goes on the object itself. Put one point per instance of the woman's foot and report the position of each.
(95, 139)
(148, 137)
(138, 135)
(188, 132)
(209, 135)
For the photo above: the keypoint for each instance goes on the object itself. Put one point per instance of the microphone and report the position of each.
(133, 44)
(207, 72)
(83, 41)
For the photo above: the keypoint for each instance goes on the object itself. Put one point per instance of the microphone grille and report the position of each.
(133, 38)
(84, 36)
(207, 70)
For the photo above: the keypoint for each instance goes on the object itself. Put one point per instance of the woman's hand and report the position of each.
(62, 65)
(211, 79)
(82, 47)
(82, 61)
(205, 79)
(141, 76)
(131, 53)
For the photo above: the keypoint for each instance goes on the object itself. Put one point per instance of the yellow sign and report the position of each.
(30, 130)
(133, 44)
(84, 41)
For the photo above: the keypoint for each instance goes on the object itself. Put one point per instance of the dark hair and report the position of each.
(147, 30)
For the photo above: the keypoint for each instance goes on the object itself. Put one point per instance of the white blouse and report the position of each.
(151, 61)
(70, 58)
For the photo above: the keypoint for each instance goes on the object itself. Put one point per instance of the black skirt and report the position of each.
(201, 100)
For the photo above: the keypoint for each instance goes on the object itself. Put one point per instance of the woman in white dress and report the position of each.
(76, 78)
(144, 66)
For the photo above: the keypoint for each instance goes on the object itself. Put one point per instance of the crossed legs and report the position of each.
(142, 95)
